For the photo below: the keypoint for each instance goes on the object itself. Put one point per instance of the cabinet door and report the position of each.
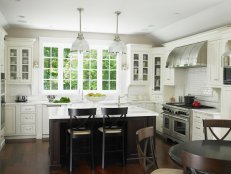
(2, 60)
(10, 113)
(25, 65)
(214, 64)
(156, 83)
(13, 64)
(19, 65)
(140, 68)
(135, 124)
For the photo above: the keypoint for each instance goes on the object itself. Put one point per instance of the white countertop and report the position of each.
(133, 111)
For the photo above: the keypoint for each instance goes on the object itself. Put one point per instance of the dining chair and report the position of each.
(114, 125)
(195, 164)
(216, 123)
(146, 153)
(81, 125)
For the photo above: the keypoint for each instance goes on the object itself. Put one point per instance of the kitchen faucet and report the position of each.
(119, 97)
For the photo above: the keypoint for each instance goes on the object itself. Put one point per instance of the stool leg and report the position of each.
(123, 148)
(92, 152)
(70, 154)
(103, 151)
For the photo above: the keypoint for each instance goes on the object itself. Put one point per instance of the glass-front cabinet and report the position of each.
(19, 65)
(140, 67)
(157, 74)
(19, 60)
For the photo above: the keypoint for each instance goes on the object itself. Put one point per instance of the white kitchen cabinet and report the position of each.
(2, 139)
(2, 52)
(26, 120)
(168, 74)
(139, 56)
(226, 104)
(197, 124)
(10, 120)
(159, 119)
(214, 67)
(20, 120)
(45, 119)
(19, 60)
(156, 74)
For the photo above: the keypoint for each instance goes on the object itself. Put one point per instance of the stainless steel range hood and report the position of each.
(193, 55)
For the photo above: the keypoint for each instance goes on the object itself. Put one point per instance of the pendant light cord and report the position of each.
(117, 25)
(80, 10)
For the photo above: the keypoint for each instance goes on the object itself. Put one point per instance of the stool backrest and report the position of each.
(114, 117)
(216, 123)
(83, 117)
(145, 142)
(193, 163)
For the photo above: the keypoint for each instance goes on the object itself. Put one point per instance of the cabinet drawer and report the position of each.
(27, 129)
(28, 109)
(198, 128)
(27, 118)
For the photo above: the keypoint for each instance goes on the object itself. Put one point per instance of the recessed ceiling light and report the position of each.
(151, 26)
(177, 13)
(21, 16)
(22, 21)
(17, 0)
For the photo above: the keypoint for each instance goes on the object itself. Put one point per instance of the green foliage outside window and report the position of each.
(109, 71)
(50, 68)
(90, 70)
(70, 73)
(70, 69)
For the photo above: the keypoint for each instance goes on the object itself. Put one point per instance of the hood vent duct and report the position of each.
(193, 55)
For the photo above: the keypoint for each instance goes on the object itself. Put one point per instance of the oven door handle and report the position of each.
(180, 118)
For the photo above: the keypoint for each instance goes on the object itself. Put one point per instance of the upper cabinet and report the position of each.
(2, 56)
(139, 56)
(214, 63)
(19, 60)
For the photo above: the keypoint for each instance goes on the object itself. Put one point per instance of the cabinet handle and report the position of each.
(168, 79)
(215, 79)
(198, 128)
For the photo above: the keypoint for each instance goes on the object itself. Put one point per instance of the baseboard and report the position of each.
(20, 140)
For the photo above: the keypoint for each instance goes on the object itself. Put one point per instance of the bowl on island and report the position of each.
(95, 97)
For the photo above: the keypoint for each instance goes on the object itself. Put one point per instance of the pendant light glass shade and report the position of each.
(80, 44)
(117, 46)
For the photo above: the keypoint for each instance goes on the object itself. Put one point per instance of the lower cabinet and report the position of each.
(135, 124)
(197, 124)
(10, 120)
(20, 121)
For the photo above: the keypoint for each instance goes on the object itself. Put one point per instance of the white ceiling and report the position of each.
(165, 20)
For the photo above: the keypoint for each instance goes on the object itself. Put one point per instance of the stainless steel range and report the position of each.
(176, 121)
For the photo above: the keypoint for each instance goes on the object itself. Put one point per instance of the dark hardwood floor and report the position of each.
(33, 158)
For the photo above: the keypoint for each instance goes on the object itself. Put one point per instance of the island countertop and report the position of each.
(133, 111)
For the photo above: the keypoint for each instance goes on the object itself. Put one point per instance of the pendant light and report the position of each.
(117, 46)
(80, 44)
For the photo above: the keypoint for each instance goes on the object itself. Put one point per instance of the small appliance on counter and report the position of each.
(21, 98)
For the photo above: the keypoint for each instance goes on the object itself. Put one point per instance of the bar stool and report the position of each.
(114, 124)
(81, 125)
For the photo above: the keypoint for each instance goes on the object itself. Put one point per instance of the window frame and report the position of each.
(99, 45)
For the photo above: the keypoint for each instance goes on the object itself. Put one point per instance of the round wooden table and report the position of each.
(207, 148)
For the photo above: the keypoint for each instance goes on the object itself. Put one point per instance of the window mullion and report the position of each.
(99, 68)
(60, 72)
(80, 71)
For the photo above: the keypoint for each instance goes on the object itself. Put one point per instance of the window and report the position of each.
(90, 70)
(50, 68)
(109, 71)
(95, 70)
(70, 70)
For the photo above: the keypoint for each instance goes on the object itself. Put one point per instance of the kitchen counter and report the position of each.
(133, 111)
(209, 111)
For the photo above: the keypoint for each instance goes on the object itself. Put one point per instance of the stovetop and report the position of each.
(182, 105)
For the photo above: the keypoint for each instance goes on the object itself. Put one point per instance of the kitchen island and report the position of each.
(58, 122)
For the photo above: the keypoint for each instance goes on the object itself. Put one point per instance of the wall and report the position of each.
(33, 91)
(193, 81)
